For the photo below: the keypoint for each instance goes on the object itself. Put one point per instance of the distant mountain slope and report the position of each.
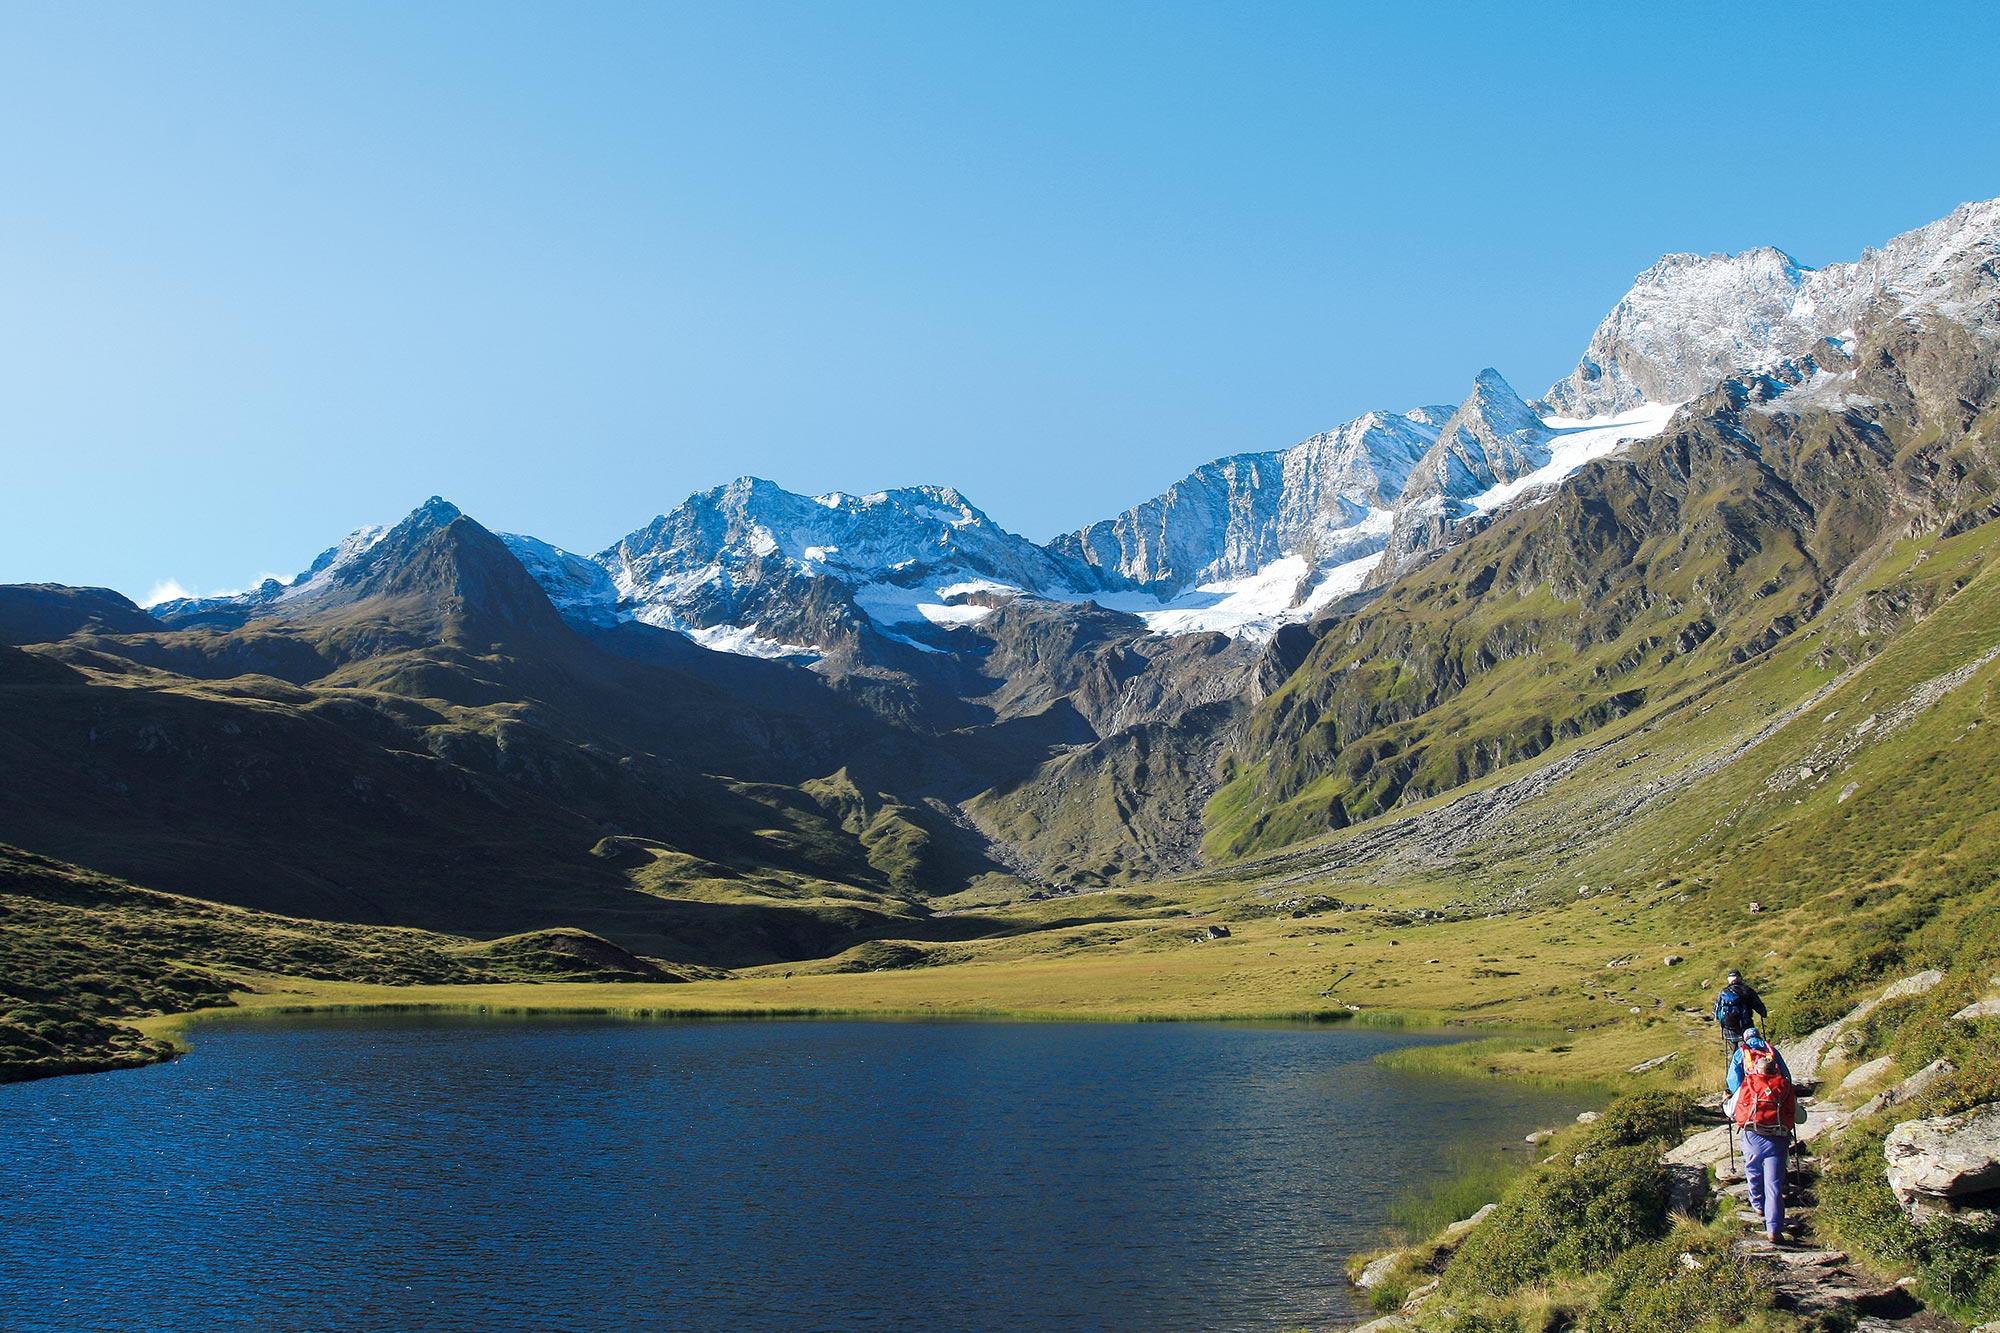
(443, 750)
(39, 612)
(1281, 643)
(1703, 548)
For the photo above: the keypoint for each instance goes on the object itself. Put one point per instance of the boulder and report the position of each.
(1972, 1013)
(1388, 1323)
(1646, 1066)
(1687, 1188)
(1376, 1271)
(1861, 1074)
(1703, 1150)
(1946, 1158)
(1820, 1119)
(1456, 1231)
(1590, 1117)
(1805, 1058)
(1909, 1089)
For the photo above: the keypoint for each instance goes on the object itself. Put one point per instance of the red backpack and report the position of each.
(1764, 1100)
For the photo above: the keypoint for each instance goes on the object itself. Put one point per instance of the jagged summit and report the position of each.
(1242, 543)
(1690, 320)
(753, 567)
(435, 567)
(1324, 500)
(1493, 437)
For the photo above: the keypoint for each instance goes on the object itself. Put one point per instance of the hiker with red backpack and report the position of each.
(1763, 1104)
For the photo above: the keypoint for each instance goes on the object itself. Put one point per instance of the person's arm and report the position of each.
(1735, 1080)
(1756, 1002)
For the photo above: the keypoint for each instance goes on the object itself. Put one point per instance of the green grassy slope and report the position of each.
(1646, 577)
(81, 952)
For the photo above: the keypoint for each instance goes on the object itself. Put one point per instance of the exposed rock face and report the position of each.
(1326, 498)
(1909, 1089)
(578, 587)
(1690, 321)
(1807, 1057)
(1866, 1073)
(1945, 1160)
(1493, 437)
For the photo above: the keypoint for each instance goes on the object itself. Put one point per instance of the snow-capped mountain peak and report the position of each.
(1323, 499)
(1250, 540)
(751, 523)
(1690, 321)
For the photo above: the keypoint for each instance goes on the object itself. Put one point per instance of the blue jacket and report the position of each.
(1736, 1061)
(1753, 1005)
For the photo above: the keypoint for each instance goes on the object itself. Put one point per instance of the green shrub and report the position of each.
(1685, 1283)
(1642, 1117)
(1565, 1219)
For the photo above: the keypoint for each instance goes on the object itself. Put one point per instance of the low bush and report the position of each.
(1567, 1218)
(1642, 1117)
(1689, 1282)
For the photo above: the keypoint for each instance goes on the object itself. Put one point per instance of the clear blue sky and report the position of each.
(271, 271)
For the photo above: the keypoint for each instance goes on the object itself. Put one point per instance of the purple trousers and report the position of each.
(1764, 1167)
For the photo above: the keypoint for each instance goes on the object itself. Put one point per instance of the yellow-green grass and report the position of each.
(1471, 975)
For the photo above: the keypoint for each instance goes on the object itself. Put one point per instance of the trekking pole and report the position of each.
(1729, 1127)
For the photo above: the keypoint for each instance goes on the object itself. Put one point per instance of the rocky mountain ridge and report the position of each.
(1243, 544)
(1382, 614)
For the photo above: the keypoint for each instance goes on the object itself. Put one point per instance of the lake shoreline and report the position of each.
(166, 1036)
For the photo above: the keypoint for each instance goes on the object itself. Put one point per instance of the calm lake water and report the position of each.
(385, 1173)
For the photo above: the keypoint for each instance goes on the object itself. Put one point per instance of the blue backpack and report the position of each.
(1732, 1011)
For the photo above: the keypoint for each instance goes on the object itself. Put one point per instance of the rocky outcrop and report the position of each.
(1947, 1161)
(1806, 1058)
(1909, 1089)
(1379, 1269)
(1690, 320)
(1866, 1073)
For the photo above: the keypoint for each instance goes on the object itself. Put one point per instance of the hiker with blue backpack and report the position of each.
(1737, 1009)
(1763, 1104)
